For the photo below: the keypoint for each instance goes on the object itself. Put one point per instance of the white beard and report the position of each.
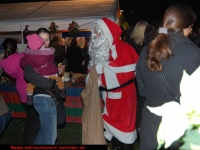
(98, 47)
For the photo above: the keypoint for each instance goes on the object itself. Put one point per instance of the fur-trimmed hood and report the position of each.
(38, 58)
(41, 51)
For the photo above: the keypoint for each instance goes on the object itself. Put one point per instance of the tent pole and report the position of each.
(22, 37)
(21, 33)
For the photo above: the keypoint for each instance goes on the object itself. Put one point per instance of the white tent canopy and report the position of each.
(14, 16)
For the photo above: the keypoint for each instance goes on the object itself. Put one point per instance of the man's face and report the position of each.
(98, 47)
(95, 34)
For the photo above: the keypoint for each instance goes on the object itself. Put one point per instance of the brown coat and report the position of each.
(92, 122)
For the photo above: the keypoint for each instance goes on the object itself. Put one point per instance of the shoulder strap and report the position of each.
(175, 98)
(51, 94)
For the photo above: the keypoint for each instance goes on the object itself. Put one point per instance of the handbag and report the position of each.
(60, 107)
(174, 98)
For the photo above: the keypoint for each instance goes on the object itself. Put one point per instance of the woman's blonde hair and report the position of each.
(138, 32)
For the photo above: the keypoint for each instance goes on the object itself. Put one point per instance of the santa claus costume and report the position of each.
(116, 63)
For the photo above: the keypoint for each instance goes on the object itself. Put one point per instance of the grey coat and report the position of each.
(150, 85)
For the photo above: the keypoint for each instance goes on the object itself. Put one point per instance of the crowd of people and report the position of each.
(128, 70)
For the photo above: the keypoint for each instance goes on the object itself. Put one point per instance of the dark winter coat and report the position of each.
(86, 58)
(41, 83)
(150, 85)
(75, 58)
(136, 47)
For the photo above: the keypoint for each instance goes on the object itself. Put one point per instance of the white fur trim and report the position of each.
(111, 78)
(124, 137)
(42, 51)
(106, 30)
(110, 74)
(122, 69)
(115, 95)
(108, 135)
(104, 99)
(105, 111)
(113, 52)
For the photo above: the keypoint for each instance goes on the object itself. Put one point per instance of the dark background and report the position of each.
(148, 10)
(135, 10)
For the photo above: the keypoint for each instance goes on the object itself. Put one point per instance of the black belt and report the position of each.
(123, 85)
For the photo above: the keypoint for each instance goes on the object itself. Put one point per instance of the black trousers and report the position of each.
(32, 124)
(117, 145)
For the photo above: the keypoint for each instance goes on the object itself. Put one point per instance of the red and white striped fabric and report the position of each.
(120, 105)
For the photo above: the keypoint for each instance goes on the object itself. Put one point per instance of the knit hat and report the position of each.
(111, 30)
(34, 41)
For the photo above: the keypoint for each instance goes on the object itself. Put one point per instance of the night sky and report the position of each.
(149, 10)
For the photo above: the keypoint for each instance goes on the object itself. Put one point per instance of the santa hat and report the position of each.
(34, 41)
(111, 30)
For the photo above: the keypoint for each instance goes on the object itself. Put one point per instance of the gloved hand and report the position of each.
(99, 68)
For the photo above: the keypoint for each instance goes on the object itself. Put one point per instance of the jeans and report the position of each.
(46, 108)
(4, 119)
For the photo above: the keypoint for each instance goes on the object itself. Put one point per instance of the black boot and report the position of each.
(117, 145)
(128, 146)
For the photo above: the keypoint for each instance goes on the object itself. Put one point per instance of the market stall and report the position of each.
(14, 18)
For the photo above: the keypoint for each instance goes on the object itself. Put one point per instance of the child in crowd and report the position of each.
(42, 61)
(10, 63)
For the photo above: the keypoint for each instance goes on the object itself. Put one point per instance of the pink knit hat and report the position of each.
(34, 41)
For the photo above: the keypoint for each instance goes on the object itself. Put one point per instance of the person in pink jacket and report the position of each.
(41, 60)
(10, 62)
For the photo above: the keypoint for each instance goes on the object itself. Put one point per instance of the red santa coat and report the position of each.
(119, 113)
